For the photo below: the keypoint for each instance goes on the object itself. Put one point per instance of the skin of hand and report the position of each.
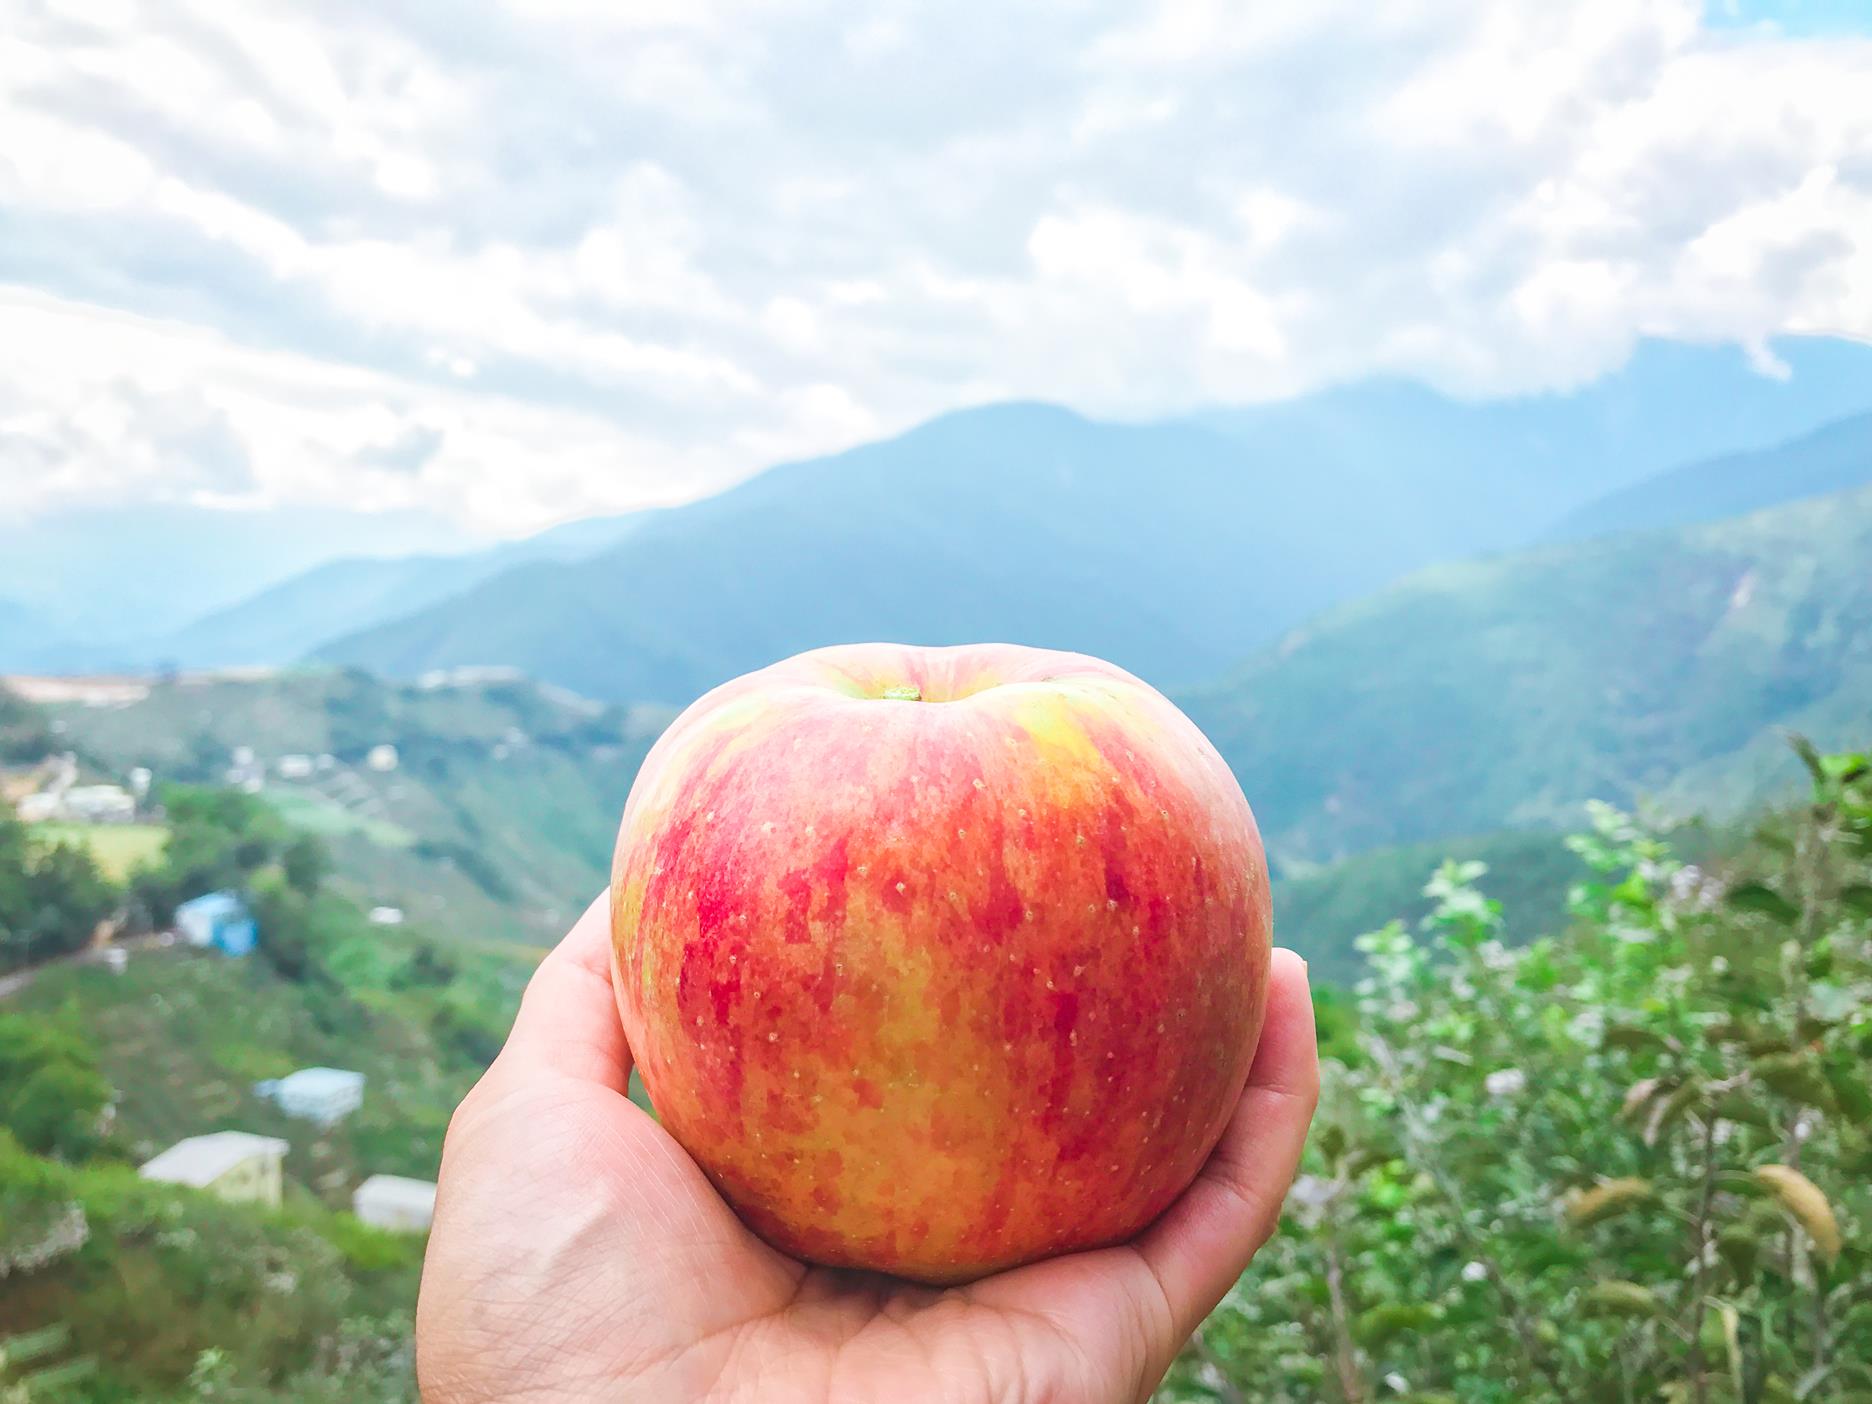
(578, 1254)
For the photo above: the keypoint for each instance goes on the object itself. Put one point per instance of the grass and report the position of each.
(118, 848)
(320, 814)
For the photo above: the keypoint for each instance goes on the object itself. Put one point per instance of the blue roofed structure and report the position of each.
(219, 920)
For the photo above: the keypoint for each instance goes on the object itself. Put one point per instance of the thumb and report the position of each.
(568, 1021)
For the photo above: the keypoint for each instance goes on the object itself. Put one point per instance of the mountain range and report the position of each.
(1831, 459)
(1174, 547)
(109, 579)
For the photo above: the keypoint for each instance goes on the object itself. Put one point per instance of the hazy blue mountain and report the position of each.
(1308, 502)
(1505, 692)
(110, 579)
(1831, 459)
(289, 620)
(1164, 547)
(1484, 475)
(1171, 548)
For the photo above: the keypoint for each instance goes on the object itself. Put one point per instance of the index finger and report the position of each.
(568, 1021)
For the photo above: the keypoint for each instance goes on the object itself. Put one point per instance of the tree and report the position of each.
(306, 864)
(1629, 1162)
(52, 1095)
(51, 897)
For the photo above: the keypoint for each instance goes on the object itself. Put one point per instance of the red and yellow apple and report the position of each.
(940, 960)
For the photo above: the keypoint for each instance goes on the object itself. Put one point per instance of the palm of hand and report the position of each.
(579, 1254)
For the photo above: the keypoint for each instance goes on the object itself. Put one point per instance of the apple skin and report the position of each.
(935, 987)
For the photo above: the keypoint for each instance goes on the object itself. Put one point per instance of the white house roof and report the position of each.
(201, 1160)
(396, 1191)
(315, 1080)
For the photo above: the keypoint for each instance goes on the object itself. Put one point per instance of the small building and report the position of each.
(99, 804)
(386, 916)
(382, 757)
(219, 920)
(322, 1095)
(294, 767)
(395, 1202)
(230, 1165)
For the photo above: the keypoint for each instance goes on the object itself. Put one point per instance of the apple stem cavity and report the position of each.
(903, 692)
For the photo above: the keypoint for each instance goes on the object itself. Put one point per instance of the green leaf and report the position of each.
(1857, 898)
(1809, 756)
(1850, 1091)
(1615, 1297)
(1605, 1200)
(1379, 1324)
(1794, 1076)
(1760, 898)
(1846, 767)
(1632, 1038)
(1740, 1247)
(1670, 1110)
(1744, 1110)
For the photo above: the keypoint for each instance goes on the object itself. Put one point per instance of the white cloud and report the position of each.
(519, 262)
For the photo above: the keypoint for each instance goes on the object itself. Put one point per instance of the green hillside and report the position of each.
(290, 619)
(163, 1295)
(496, 823)
(1505, 692)
(115, 1289)
(183, 1036)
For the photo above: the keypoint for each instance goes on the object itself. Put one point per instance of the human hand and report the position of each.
(578, 1254)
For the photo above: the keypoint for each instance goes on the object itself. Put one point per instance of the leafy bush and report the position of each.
(52, 896)
(1630, 1163)
(52, 1096)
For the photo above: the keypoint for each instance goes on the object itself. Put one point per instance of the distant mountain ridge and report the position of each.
(1831, 459)
(1469, 476)
(1326, 496)
(113, 575)
(1174, 549)
(290, 619)
(1019, 521)
(1505, 692)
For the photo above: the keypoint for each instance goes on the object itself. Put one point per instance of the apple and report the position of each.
(940, 960)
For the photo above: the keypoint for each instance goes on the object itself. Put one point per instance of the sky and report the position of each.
(515, 263)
